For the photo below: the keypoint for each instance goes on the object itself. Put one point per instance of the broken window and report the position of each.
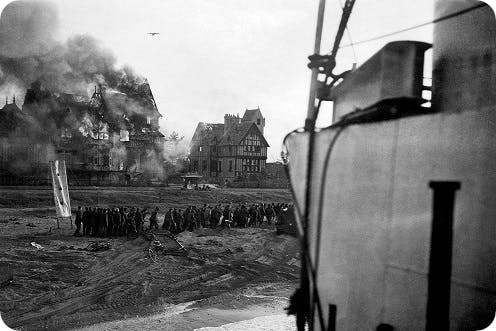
(124, 135)
(103, 131)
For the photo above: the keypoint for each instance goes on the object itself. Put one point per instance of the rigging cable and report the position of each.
(440, 19)
(331, 146)
(312, 112)
(306, 255)
(322, 193)
(319, 64)
(348, 33)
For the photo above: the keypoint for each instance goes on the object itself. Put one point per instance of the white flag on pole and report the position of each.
(60, 188)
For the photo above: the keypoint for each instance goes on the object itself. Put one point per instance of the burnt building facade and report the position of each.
(110, 138)
(235, 149)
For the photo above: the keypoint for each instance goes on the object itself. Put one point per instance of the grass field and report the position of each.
(41, 197)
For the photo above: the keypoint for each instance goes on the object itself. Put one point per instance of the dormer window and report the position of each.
(66, 133)
(258, 121)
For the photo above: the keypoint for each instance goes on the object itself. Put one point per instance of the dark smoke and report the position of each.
(30, 51)
(33, 57)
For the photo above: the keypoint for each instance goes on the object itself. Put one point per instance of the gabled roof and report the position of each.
(251, 115)
(236, 134)
(208, 133)
(11, 118)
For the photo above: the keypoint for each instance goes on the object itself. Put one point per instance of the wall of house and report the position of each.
(228, 168)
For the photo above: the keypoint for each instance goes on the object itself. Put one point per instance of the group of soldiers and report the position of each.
(112, 222)
(240, 215)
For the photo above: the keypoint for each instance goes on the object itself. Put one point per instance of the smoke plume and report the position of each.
(30, 51)
(33, 57)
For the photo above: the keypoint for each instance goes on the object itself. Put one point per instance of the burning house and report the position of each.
(109, 138)
(106, 135)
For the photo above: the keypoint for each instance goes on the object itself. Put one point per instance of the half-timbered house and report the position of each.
(231, 150)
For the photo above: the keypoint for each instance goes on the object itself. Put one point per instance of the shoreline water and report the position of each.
(226, 312)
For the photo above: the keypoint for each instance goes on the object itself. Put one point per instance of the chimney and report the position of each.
(230, 121)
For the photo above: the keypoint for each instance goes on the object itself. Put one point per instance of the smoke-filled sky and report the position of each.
(215, 56)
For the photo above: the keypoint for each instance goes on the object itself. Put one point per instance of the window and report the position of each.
(230, 166)
(95, 157)
(103, 133)
(204, 165)
(148, 120)
(200, 148)
(220, 166)
(66, 133)
(124, 135)
(258, 121)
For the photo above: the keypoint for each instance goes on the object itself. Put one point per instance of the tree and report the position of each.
(174, 138)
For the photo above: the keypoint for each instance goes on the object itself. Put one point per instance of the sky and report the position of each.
(214, 57)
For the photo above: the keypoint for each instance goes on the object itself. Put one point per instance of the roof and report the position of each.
(213, 133)
(251, 115)
(11, 117)
(124, 109)
(236, 134)
(141, 134)
(208, 132)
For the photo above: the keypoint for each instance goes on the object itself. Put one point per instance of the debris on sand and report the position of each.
(97, 246)
(38, 246)
(170, 246)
